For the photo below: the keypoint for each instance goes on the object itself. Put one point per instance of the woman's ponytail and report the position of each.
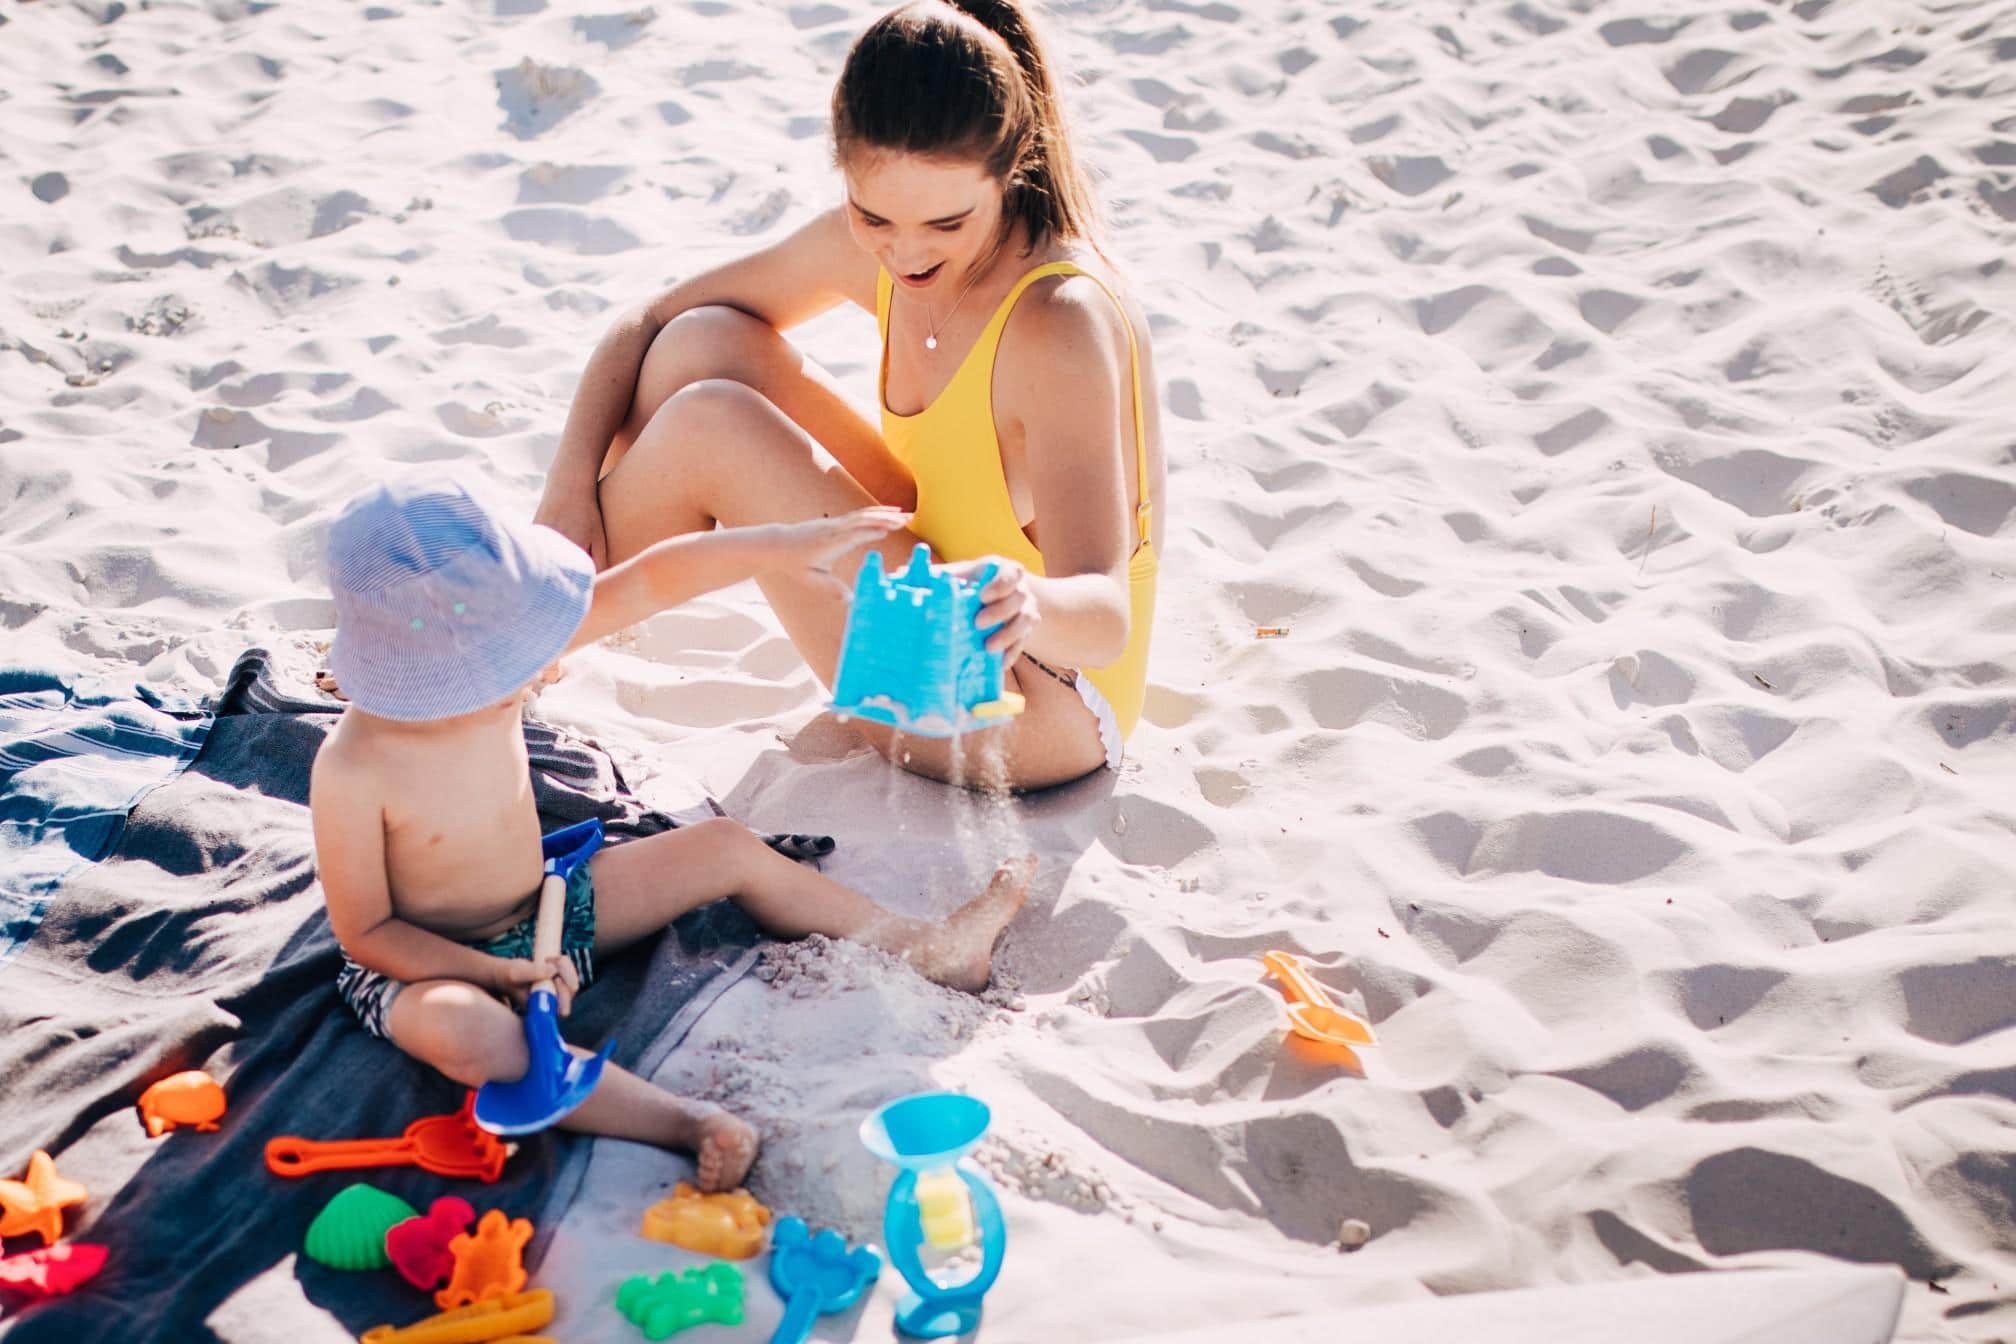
(1058, 196)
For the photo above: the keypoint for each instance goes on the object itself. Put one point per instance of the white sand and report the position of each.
(1612, 404)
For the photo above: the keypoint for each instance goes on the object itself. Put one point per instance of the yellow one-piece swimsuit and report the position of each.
(963, 507)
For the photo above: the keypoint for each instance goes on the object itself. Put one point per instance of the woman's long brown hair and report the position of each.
(967, 79)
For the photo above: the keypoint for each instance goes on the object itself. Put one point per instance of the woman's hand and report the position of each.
(577, 517)
(1009, 609)
(817, 545)
(517, 975)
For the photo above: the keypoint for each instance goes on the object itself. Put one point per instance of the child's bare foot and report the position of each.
(960, 952)
(625, 1106)
(725, 1150)
(325, 681)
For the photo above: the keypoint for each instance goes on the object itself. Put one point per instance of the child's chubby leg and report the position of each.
(643, 885)
(475, 1039)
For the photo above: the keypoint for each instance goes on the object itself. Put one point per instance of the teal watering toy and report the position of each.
(557, 1079)
(815, 1275)
(912, 656)
(939, 1203)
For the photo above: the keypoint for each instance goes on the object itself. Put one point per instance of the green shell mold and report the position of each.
(349, 1233)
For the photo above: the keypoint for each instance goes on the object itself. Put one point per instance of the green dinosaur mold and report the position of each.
(349, 1233)
(659, 1306)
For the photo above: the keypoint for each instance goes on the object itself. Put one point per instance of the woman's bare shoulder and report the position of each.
(1064, 320)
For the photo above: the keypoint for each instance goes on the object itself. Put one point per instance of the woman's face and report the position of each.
(929, 221)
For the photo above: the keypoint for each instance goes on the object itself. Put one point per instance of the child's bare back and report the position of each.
(455, 799)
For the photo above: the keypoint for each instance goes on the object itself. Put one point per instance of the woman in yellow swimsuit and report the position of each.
(1018, 418)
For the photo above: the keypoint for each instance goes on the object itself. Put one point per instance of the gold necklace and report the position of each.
(931, 333)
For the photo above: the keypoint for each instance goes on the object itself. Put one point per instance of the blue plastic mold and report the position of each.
(815, 1274)
(913, 657)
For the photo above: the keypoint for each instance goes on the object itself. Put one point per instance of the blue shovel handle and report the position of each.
(800, 1311)
(555, 1080)
(564, 851)
(546, 933)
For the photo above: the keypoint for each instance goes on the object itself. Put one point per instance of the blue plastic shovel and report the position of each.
(815, 1275)
(558, 1080)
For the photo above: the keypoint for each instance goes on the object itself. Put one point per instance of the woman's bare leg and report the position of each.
(721, 450)
(716, 342)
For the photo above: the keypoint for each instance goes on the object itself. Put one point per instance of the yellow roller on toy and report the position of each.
(944, 1210)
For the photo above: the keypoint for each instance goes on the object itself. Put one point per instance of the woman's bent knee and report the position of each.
(697, 421)
(713, 403)
(713, 341)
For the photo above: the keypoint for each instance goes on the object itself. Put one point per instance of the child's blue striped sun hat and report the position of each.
(443, 605)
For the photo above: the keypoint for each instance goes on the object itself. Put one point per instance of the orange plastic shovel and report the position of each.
(1310, 1010)
(448, 1145)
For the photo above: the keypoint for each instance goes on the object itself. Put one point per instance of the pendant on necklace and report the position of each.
(930, 342)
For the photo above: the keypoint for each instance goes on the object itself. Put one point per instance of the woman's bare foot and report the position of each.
(959, 953)
(725, 1149)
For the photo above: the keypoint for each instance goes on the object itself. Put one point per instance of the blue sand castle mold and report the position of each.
(927, 1136)
(912, 656)
(671, 1302)
(815, 1274)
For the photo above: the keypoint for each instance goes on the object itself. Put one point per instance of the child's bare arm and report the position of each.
(682, 568)
(350, 854)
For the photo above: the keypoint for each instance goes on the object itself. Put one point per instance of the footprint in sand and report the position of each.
(614, 31)
(536, 97)
(288, 290)
(1749, 1199)
(1410, 175)
(1977, 504)
(1633, 32)
(570, 230)
(1344, 697)
(1715, 995)
(568, 183)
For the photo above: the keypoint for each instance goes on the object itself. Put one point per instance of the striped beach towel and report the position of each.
(76, 753)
